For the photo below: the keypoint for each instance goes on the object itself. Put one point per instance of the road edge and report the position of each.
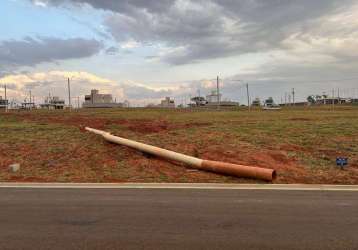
(299, 187)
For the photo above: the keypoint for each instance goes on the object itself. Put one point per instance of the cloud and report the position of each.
(131, 44)
(112, 50)
(39, 3)
(139, 92)
(55, 82)
(30, 51)
(113, 5)
(194, 31)
(41, 83)
(286, 43)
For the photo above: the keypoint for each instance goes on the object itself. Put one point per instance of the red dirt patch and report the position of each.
(149, 126)
(73, 120)
(288, 169)
(292, 147)
(140, 126)
(27, 179)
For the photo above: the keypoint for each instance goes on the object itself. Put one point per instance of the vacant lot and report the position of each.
(300, 143)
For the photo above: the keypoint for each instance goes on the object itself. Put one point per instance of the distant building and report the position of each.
(28, 105)
(198, 101)
(211, 100)
(126, 104)
(215, 100)
(295, 104)
(269, 102)
(167, 103)
(3, 103)
(332, 100)
(96, 100)
(354, 101)
(53, 102)
(213, 97)
(14, 105)
(256, 102)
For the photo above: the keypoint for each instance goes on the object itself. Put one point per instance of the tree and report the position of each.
(311, 99)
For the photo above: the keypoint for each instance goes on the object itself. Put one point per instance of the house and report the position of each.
(97, 100)
(331, 100)
(3, 103)
(214, 99)
(28, 105)
(354, 101)
(167, 103)
(53, 103)
(256, 102)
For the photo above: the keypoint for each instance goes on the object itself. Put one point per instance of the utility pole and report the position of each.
(285, 98)
(248, 96)
(6, 102)
(333, 99)
(218, 91)
(30, 100)
(293, 96)
(78, 102)
(69, 93)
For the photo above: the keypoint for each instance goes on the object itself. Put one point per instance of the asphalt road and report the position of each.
(177, 219)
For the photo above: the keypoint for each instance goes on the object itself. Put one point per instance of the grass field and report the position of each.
(300, 143)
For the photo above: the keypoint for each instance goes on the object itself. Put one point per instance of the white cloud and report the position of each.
(40, 3)
(130, 44)
(277, 43)
(41, 83)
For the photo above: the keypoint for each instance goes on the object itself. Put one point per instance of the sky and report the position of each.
(144, 50)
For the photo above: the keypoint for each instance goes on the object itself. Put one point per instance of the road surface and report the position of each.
(110, 218)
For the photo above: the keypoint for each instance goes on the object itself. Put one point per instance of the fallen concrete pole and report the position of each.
(212, 166)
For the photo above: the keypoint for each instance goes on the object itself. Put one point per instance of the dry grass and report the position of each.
(301, 143)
